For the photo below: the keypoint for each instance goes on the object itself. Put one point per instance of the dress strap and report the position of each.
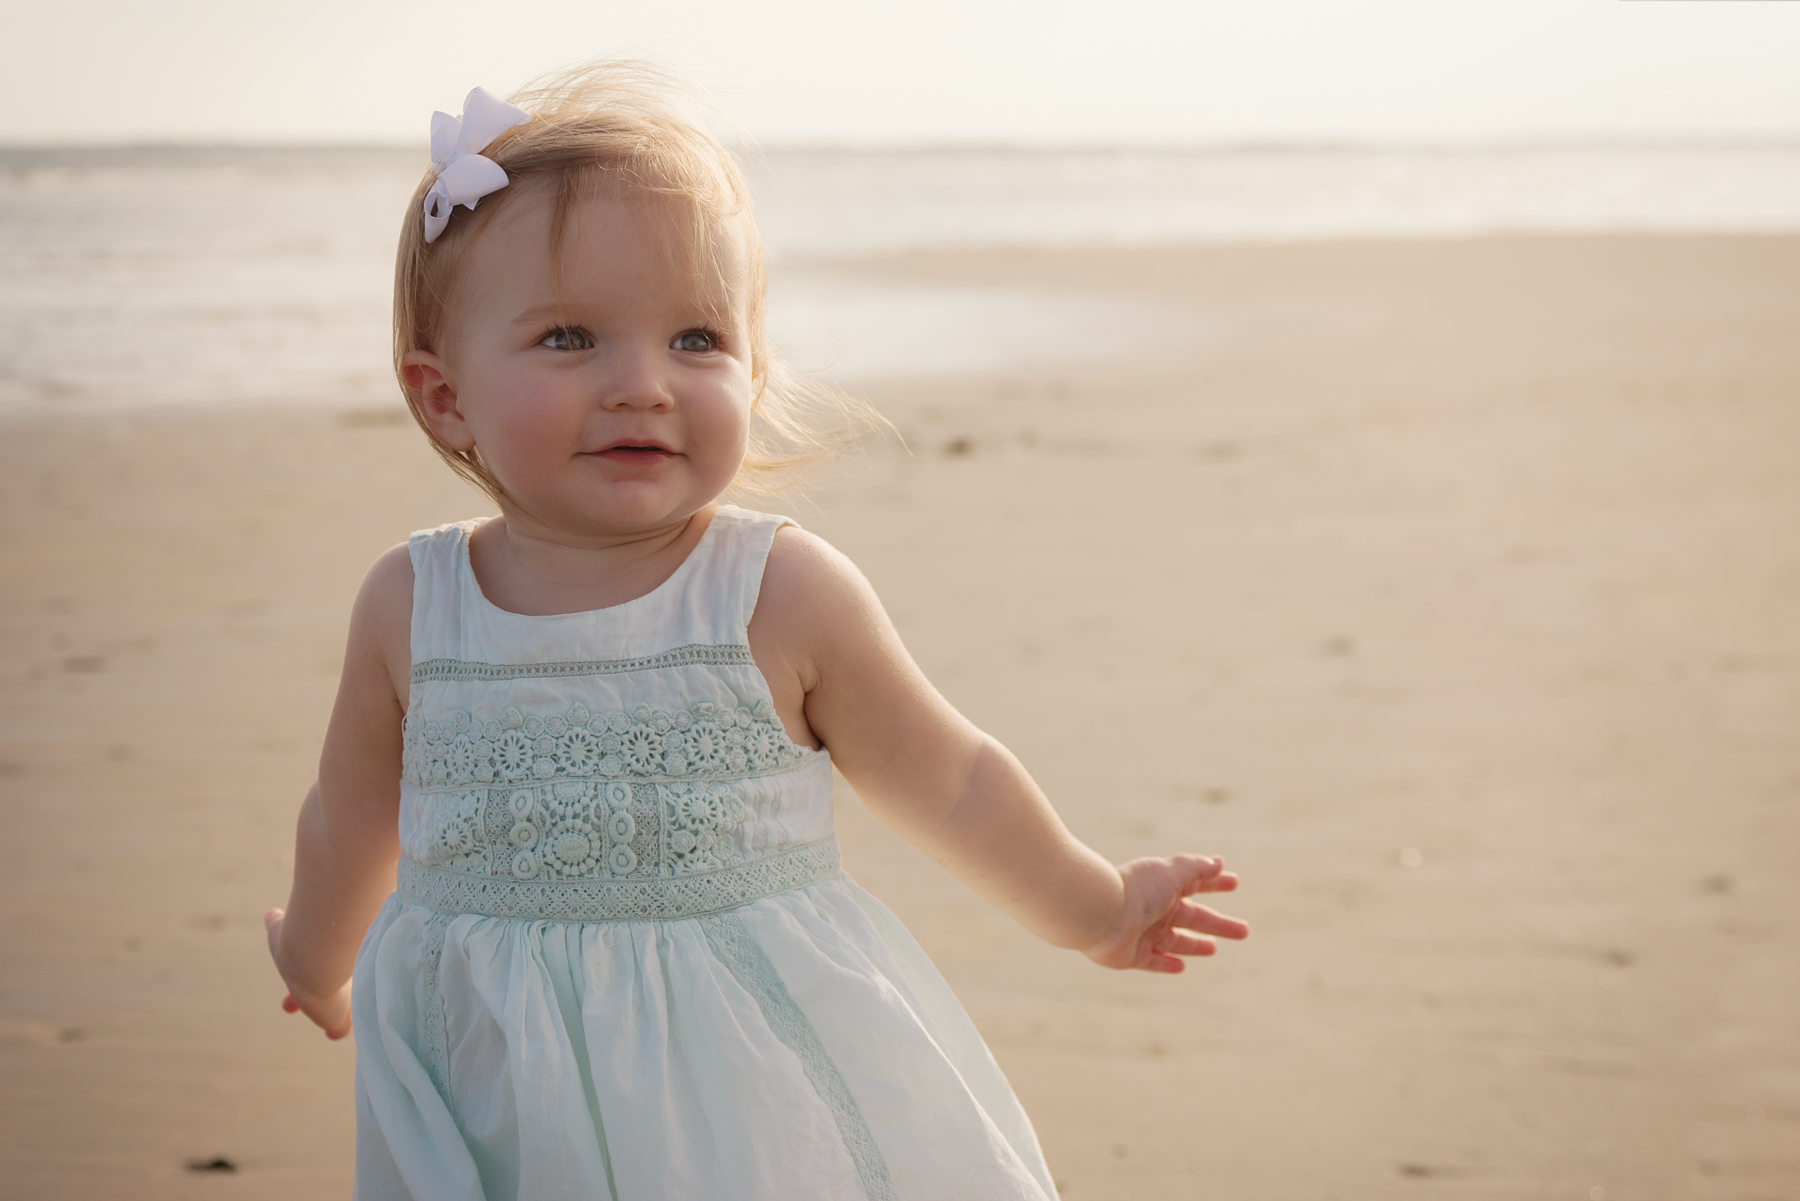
(744, 551)
(440, 577)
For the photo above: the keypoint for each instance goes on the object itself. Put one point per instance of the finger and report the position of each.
(1182, 942)
(1202, 873)
(289, 1005)
(1223, 882)
(1209, 921)
(1156, 961)
(1194, 870)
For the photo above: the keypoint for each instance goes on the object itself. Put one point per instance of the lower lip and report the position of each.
(634, 456)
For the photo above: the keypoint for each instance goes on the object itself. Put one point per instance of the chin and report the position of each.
(624, 510)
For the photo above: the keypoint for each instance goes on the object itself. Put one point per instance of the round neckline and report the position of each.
(466, 565)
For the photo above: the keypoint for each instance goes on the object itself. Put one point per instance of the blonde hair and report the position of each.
(622, 127)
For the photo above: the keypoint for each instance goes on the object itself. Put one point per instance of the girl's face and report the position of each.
(614, 402)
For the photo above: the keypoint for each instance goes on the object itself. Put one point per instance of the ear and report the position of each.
(431, 384)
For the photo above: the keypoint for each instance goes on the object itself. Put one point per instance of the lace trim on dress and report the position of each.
(437, 1026)
(702, 741)
(735, 947)
(700, 653)
(644, 899)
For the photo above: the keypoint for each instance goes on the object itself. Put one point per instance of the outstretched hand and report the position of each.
(1159, 924)
(329, 1013)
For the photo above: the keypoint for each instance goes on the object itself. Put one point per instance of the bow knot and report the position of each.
(464, 175)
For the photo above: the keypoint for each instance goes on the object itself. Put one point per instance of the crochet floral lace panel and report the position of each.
(640, 899)
(705, 741)
(733, 943)
(695, 653)
(582, 830)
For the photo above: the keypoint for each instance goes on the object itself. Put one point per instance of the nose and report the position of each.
(634, 377)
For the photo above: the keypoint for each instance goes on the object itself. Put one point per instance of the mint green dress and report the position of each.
(622, 960)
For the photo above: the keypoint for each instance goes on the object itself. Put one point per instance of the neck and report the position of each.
(527, 569)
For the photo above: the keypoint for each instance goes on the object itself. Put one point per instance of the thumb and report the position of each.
(1197, 870)
(272, 925)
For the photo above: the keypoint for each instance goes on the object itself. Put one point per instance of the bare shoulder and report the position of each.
(816, 607)
(808, 581)
(864, 697)
(381, 621)
(802, 559)
(387, 590)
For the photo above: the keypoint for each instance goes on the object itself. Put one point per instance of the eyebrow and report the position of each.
(544, 312)
(569, 309)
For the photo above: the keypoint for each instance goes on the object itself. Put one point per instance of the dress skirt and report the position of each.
(798, 1046)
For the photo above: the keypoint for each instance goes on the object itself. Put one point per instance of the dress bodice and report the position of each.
(624, 763)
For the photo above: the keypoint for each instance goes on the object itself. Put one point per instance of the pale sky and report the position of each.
(926, 72)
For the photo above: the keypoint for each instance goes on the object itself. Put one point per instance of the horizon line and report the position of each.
(1787, 141)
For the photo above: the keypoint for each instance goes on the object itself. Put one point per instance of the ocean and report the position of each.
(235, 276)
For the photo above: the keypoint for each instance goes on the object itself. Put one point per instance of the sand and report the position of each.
(1450, 590)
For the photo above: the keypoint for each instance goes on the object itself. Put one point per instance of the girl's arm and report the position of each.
(820, 634)
(348, 838)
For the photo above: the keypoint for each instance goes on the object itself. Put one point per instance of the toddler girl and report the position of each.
(596, 734)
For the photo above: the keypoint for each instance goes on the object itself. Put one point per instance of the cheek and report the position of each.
(528, 420)
(727, 422)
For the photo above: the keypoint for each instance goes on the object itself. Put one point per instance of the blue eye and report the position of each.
(695, 341)
(564, 338)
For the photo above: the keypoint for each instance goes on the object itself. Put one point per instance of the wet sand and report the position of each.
(1450, 590)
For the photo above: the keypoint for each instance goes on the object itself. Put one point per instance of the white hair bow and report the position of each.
(463, 175)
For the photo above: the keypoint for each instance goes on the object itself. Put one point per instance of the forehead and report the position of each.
(610, 243)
